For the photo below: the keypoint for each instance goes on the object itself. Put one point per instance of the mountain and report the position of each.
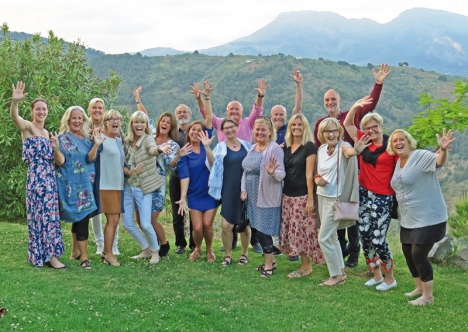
(425, 38)
(161, 51)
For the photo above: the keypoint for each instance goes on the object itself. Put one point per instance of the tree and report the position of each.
(459, 223)
(196, 52)
(440, 113)
(54, 70)
(370, 65)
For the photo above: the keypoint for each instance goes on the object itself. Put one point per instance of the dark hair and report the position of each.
(174, 133)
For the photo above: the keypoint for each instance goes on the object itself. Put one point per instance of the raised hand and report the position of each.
(205, 139)
(262, 87)
(367, 100)
(296, 76)
(362, 143)
(54, 140)
(195, 90)
(97, 137)
(207, 88)
(136, 92)
(165, 148)
(446, 140)
(18, 91)
(382, 74)
(272, 166)
(185, 150)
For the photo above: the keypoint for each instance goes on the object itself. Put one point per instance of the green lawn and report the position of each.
(180, 295)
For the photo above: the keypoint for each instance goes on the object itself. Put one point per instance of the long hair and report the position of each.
(138, 116)
(306, 134)
(174, 133)
(65, 126)
(266, 120)
(187, 138)
(326, 124)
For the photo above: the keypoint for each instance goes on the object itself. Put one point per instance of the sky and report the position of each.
(116, 26)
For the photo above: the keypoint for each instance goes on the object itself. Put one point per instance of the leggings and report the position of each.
(417, 260)
(266, 241)
(80, 228)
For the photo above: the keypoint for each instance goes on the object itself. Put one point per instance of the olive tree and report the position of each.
(51, 69)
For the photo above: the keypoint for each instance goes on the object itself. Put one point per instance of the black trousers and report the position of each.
(266, 241)
(353, 237)
(81, 229)
(418, 262)
(177, 219)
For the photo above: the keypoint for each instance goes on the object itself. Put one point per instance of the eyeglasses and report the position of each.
(229, 128)
(265, 118)
(371, 128)
(333, 131)
(114, 119)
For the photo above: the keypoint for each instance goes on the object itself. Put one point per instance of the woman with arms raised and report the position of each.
(334, 148)
(261, 186)
(142, 179)
(422, 207)
(194, 174)
(75, 154)
(45, 244)
(375, 195)
(298, 235)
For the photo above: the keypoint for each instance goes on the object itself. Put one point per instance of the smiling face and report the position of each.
(112, 126)
(374, 130)
(297, 128)
(331, 134)
(165, 125)
(278, 116)
(195, 132)
(96, 111)
(183, 115)
(262, 133)
(39, 111)
(230, 129)
(400, 144)
(234, 110)
(331, 101)
(139, 128)
(76, 122)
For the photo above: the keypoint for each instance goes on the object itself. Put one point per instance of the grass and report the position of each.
(179, 295)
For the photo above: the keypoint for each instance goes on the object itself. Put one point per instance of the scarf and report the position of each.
(370, 157)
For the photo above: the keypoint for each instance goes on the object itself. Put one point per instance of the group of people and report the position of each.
(280, 175)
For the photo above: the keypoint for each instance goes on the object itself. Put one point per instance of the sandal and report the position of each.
(340, 282)
(114, 262)
(85, 265)
(298, 274)
(266, 273)
(262, 267)
(194, 255)
(243, 260)
(420, 301)
(3, 311)
(210, 256)
(227, 260)
(77, 258)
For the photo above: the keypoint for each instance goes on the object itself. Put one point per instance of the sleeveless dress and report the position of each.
(42, 207)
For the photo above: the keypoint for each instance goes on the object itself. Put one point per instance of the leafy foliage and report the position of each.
(441, 113)
(459, 222)
(53, 70)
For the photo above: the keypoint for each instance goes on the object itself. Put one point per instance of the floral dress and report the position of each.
(42, 209)
(163, 164)
(75, 179)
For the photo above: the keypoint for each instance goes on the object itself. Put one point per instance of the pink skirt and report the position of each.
(298, 232)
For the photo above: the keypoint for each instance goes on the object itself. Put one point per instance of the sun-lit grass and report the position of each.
(179, 295)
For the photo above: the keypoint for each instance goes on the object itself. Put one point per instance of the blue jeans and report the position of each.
(133, 196)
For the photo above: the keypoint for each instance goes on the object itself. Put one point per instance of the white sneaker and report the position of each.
(99, 250)
(372, 282)
(384, 287)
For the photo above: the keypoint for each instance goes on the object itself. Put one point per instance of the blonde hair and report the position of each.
(92, 102)
(65, 126)
(326, 124)
(372, 116)
(306, 134)
(109, 114)
(138, 116)
(412, 142)
(266, 120)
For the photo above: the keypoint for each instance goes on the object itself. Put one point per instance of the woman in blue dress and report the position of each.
(75, 154)
(45, 244)
(194, 174)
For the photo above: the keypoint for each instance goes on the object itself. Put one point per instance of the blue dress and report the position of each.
(44, 231)
(76, 178)
(193, 166)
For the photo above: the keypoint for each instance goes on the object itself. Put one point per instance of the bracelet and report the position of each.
(207, 98)
(138, 102)
(260, 96)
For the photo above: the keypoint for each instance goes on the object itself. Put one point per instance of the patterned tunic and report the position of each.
(44, 232)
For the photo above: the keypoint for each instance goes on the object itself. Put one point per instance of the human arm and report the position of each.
(140, 106)
(206, 139)
(297, 77)
(136, 170)
(359, 146)
(243, 195)
(98, 140)
(183, 151)
(184, 184)
(17, 95)
(59, 157)
(310, 168)
(261, 90)
(349, 122)
(275, 167)
(444, 143)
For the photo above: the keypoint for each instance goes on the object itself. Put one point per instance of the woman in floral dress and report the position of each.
(45, 244)
(75, 154)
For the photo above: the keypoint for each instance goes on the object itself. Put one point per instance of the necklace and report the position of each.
(330, 150)
(260, 148)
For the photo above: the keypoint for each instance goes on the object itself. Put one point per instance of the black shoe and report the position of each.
(180, 250)
(276, 251)
(293, 258)
(164, 249)
(352, 261)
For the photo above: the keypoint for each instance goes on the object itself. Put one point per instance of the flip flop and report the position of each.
(298, 274)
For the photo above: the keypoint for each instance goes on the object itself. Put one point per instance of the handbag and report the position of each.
(344, 210)
(240, 228)
(394, 212)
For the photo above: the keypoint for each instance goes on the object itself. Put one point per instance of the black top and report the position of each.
(181, 143)
(295, 183)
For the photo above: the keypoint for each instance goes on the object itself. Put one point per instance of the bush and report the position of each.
(54, 70)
